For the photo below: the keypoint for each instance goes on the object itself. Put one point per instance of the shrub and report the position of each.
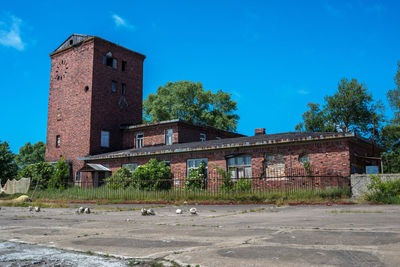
(227, 183)
(40, 174)
(243, 185)
(59, 179)
(120, 179)
(196, 178)
(152, 176)
(383, 191)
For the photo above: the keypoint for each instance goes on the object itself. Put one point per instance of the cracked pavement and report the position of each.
(220, 235)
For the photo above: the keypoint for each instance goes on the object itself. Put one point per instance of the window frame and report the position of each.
(114, 86)
(130, 166)
(167, 136)
(123, 88)
(203, 137)
(141, 140)
(58, 141)
(105, 134)
(188, 168)
(239, 168)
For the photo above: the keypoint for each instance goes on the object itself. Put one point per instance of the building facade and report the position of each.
(95, 122)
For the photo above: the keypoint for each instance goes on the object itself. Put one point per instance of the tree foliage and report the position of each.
(30, 154)
(352, 108)
(196, 178)
(121, 178)
(8, 167)
(40, 174)
(59, 179)
(155, 175)
(189, 101)
(394, 97)
(314, 120)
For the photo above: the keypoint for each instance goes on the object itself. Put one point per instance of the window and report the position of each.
(114, 86)
(130, 166)
(139, 140)
(123, 89)
(194, 164)
(240, 167)
(218, 138)
(109, 61)
(203, 137)
(169, 137)
(58, 141)
(123, 66)
(303, 158)
(105, 139)
(167, 163)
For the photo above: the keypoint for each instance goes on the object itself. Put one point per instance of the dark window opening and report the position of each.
(86, 88)
(123, 66)
(58, 141)
(71, 42)
(109, 61)
(123, 89)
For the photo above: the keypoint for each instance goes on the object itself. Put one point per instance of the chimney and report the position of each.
(259, 131)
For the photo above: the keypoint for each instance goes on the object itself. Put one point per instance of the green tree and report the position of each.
(394, 97)
(59, 179)
(189, 101)
(122, 178)
(352, 108)
(315, 120)
(40, 174)
(8, 167)
(30, 154)
(154, 175)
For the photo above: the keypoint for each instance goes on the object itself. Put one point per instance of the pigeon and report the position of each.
(178, 211)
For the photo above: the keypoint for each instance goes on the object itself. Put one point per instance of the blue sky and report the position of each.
(273, 56)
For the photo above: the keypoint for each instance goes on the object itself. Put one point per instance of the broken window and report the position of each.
(303, 158)
(240, 167)
(203, 137)
(58, 141)
(169, 136)
(109, 61)
(105, 139)
(139, 140)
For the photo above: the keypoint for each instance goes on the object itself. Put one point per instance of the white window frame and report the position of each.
(105, 139)
(130, 166)
(169, 137)
(203, 137)
(195, 162)
(238, 169)
(139, 141)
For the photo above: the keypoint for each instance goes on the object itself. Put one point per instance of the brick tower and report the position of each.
(95, 87)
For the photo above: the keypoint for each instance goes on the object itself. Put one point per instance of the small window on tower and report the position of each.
(114, 86)
(123, 89)
(139, 140)
(105, 139)
(58, 141)
(203, 137)
(109, 61)
(123, 66)
(169, 133)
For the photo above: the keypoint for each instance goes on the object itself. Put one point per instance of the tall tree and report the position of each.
(8, 168)
(394, 97)
(352, 108)
(189, 101)
(314, 120)
(30, 154)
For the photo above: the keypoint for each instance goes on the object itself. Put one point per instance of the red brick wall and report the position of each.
(326, 158)
(189, 133)
(106, 113)
(152, 135)
(69, 105)
(79, 116)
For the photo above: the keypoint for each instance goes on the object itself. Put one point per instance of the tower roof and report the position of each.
(72, 40)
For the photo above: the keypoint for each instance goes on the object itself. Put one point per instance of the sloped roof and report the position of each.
(247, 141)
(73, 40)
(94, 167)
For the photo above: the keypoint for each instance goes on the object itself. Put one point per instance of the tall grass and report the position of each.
(104, 194)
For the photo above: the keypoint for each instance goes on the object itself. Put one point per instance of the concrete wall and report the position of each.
(360, 182)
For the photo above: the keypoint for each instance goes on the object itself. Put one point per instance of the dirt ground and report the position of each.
(220, 235)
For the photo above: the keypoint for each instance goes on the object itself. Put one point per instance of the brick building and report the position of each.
(95, 122)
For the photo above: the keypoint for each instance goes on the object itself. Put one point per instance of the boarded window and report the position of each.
(274, 165)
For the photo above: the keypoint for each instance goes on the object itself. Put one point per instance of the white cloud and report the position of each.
(120, 22)
(303, 92)
(10, 34)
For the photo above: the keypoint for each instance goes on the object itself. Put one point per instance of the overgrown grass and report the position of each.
(380, 191)
(106, 195)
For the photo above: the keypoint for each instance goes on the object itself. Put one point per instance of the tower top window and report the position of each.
(109, 61)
